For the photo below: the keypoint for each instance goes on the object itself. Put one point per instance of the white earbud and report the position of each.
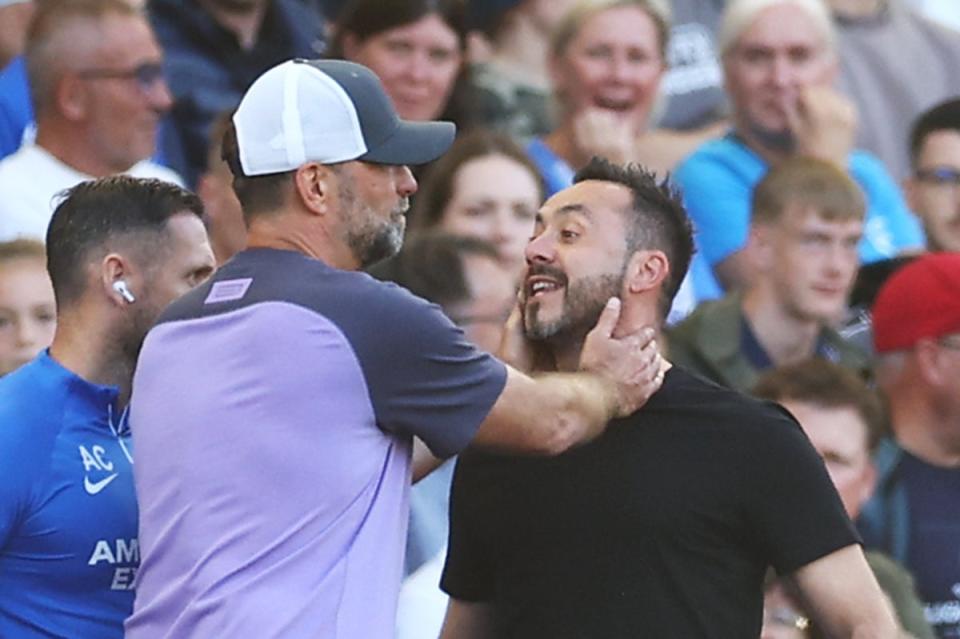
(121, 288)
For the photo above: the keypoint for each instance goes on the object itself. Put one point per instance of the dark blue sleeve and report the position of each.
(424, 377)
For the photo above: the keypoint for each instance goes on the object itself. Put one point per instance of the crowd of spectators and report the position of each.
(815, 145)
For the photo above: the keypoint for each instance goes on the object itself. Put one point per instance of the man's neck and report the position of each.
(243, 22)
(275, 231)
(773, 148)
(924, 435)
(64, 143)
(785, 338)
(92, 355)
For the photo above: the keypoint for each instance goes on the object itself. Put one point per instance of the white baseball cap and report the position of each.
(328, 111)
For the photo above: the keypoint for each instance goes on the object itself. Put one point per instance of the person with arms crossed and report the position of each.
(118, 250)
(665, 525)
(310, 380)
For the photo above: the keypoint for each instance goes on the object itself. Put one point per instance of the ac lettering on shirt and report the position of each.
(96, 460)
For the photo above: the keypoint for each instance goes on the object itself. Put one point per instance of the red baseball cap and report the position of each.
(922, 299)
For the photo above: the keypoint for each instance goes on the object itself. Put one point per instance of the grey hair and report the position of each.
(739, 15)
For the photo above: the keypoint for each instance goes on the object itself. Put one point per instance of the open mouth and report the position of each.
(539, 286)
(613, 104)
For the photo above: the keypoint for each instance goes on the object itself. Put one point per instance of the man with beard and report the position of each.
(780, 61)
(273, 491)
(118, 250)
(665, 525)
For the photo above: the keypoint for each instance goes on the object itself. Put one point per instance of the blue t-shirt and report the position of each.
(68, 513)
(717, 181)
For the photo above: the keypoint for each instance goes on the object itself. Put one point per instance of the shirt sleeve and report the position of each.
(793, 505)
(717, 185)
(890, 227)
(469, 570)
(424, 377)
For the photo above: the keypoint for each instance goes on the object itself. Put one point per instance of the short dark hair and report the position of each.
(437, 191)
(258, 194)
(430, 265)
(828, 385)
(944, 116)
(94, 214)
(656, 219)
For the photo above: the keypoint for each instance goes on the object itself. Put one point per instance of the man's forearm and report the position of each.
(548, 414)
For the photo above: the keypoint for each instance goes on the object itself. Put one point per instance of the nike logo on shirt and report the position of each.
(93, 488)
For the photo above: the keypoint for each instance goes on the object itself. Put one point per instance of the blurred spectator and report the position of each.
(806, 222)
(119, 250)
(99, 92)
(14, 17)
(416, 47)
(894, 64)
(606, 62)
(215, 49)
(913, 514)
(779, 60)
(844, 420)
(934, 186)
(222, 214)
(513, 86)
(486, 187)
(27, 309)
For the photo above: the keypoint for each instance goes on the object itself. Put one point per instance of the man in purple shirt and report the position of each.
(274, 409)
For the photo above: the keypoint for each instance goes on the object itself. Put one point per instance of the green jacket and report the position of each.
(897, 583)
(708, 342)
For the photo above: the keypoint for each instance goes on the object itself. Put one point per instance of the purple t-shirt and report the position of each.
(272, 415)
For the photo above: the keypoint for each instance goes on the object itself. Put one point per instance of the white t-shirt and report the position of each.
(30, 180)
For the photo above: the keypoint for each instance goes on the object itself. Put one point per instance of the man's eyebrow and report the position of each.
(568, 210)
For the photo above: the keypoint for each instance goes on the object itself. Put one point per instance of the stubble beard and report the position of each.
(583, 302)
(370, 237)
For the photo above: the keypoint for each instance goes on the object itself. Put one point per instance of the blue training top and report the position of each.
(68, 513)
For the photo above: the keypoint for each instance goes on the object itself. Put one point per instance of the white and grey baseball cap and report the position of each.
(328, 111)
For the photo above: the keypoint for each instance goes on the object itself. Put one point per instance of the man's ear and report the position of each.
(116, 268)
(646, 270)
(315, 185)
(70, 96)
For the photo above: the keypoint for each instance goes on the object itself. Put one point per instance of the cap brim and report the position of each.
(413, 143)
